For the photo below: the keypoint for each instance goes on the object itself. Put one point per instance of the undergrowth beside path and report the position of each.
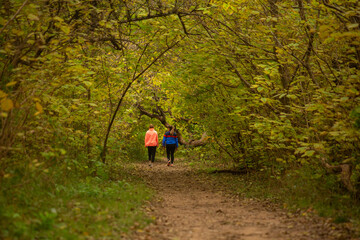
(106, 206)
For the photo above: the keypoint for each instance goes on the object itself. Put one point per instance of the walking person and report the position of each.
(151, 142)
(170, 141)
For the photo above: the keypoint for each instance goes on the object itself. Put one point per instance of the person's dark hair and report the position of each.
(151, 126)
(172, 130)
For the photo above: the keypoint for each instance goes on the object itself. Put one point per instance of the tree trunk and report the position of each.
(345, 170)
(283, 68)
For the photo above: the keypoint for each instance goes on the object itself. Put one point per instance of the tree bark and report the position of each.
(283, 68)
(345, 170)
(311, 35)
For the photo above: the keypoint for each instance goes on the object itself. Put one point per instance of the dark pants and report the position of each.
(170, 150)
(152, 151)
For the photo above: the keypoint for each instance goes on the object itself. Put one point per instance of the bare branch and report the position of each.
(162, 118)
(13, 17)
(183, 25)
(247, 84)
(138, 19)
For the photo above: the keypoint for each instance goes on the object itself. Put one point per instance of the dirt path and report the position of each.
(187, 207)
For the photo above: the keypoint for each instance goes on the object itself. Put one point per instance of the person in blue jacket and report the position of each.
(170, 141)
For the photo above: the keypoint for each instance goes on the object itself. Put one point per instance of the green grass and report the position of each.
(50, 207)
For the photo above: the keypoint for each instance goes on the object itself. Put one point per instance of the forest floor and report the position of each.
(188, 206)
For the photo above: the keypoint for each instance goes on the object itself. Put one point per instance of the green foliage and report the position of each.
(72, 208)
(274, 85)
(268, 103)
(356, 115)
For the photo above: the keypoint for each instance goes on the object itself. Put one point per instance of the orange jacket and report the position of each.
(151, 138)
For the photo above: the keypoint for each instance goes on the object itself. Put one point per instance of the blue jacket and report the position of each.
(170, 139)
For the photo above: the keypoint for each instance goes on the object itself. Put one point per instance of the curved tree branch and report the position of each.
(134, 78)
(160, 115)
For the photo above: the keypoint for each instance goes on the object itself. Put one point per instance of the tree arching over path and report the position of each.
(276, 84)
(134, 79)
(160, 115)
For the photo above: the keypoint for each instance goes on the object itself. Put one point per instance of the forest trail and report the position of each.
(189, 207)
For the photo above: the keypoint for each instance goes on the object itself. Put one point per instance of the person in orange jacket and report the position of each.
(151, 142)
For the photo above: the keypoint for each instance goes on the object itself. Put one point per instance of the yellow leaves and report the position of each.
(65, 29)
(87, 83)
(30, 41)
(2, 94)
(325, 31)
(344, 99)
(308, 153)
(6, 104)
(7, 175)
(63, 26)
(79, 132)
(33, 17)
(2, 21)
(328, 33)
(11, 83)
(35, 164)
(352, 25)
(279, 50)
(78, 69)
(292, 96)
(226, 6)
(38, 107)
(349, 160)
(319, 147)
(264, 100)
(17, 32)
(57, 18)
(352, 92)
(108, 25)
(33, 6)
(62, 151)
